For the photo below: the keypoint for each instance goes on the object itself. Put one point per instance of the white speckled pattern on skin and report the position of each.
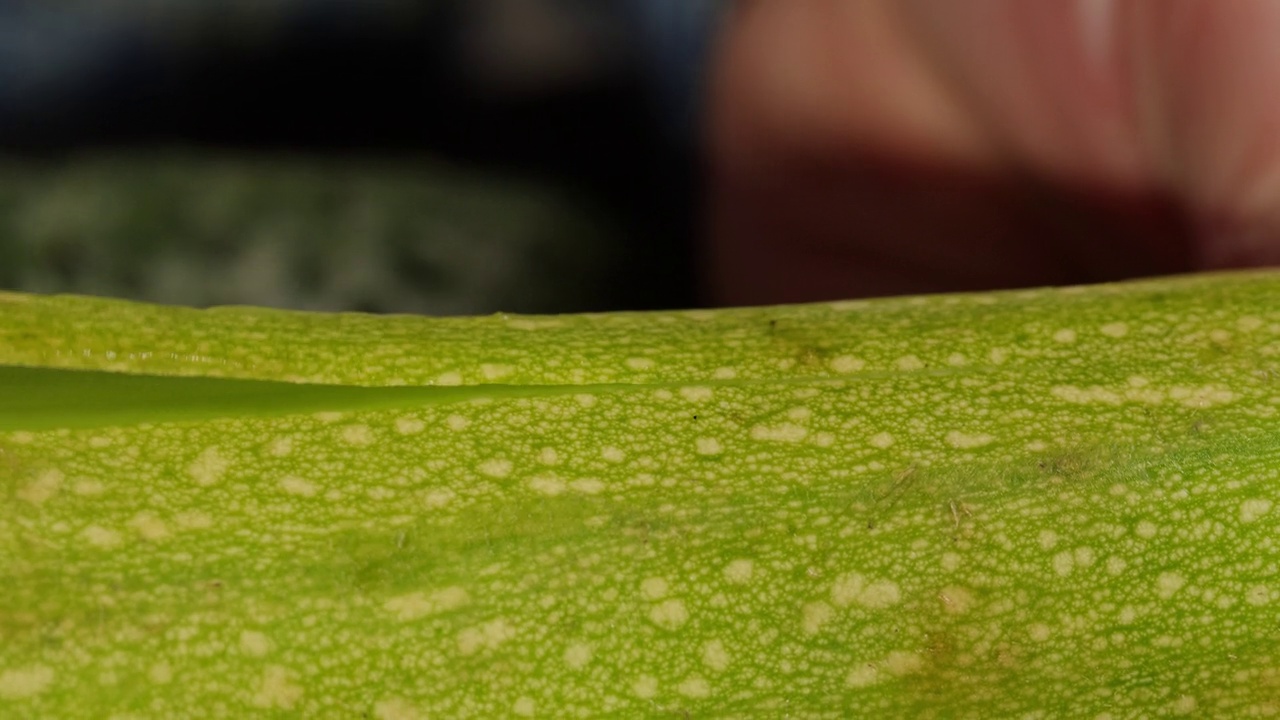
(816, 510)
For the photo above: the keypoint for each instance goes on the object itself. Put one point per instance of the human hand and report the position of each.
(876, 147)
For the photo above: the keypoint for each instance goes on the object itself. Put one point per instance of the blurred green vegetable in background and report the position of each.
(307, 233)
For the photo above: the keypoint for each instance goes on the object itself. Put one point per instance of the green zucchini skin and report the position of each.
(1050, 503)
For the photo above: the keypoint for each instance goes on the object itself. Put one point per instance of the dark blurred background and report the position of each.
(442, 157)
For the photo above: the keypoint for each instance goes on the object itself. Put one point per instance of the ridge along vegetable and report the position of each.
(1055, 501)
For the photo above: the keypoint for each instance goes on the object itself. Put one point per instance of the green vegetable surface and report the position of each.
(1051, 503)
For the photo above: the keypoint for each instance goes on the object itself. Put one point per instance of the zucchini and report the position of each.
(1045, 503)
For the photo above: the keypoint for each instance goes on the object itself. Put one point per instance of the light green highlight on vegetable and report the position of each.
(1063, 502)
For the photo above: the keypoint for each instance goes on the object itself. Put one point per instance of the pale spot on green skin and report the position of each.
(654, 588)
(585, 399)
(161, 673)
(669, 614)
(715, 656)
(814, 615)
(101, 537)
(493, 372)
(397, 709)
(843, 306)
(847, 589)
(697, 393)
(329, 416)
(548, 456)
(853, 588)
(577, 655)
(881, 440)
(88, 487)
(901, 663)
(495, 468)
(645, 687)
(457, 423)
(19, 683)
(1168, 583)
(1048, 539)
(1116, 565)
(22, 437)
(277, 689)
(862, 676)
(281, 446)
(301, 487)
(544, 323)
(739, 572)
(524, 707)
(708, 446)
(449, 379)
(724, 373)
(45, 486)
(957, 360)
(612, 454)
(1039, 632)
(438, 498)
(1065, 336)
(1084, 556)
(896, 664)
(880, 595)
(1115, 329)
(694, 686)
(799, 414)
(208, 467)
(149, 527)
(1087, 396)
(1146, 529)
(420, 604)
(956, 600)
(909, 363)
(1249, 323)
(1064, 563)
(786, 432)
(847, 364)
(968, 441)
(409, 425)
(950, 562)
(1184, 705)
(547, 485)
(357, 435)
(254, 643)
(1258, 595)
(1202, 397)
(1254, 509)
(588, 486)
(639, 364)
(193, 520)
(487, 636)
